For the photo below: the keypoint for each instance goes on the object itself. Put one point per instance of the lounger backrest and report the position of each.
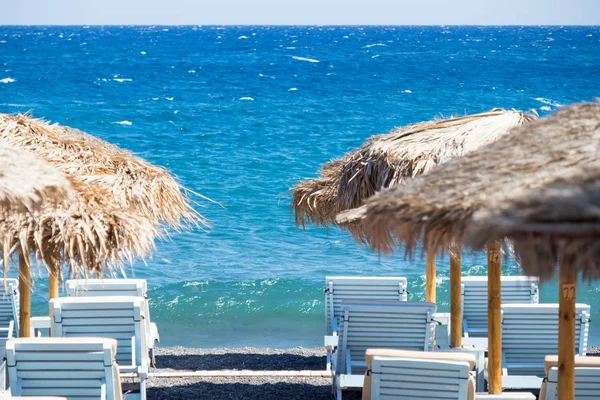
(412, 379)
(115, 317)
(391, 325)
(76, 368)
(530, 332)
(515, 289)
(587, 384)
(107, 287)
(358, 288)
(9, 304)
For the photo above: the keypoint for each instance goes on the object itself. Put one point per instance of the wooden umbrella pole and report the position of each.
(455, 299)
(24, 296)
(566, 332)
(494, 319)
(53, 278)
(430, 278)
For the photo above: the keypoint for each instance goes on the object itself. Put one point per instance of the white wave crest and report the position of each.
(169, 98)
(243, 37)
(407, 91)
(7, 80)
(305, 59)
(127, 123)
(374, 45)
(293, 89)
(122, 79)
(548, 102)
(246, 99)
(143, 53)
(545, 108)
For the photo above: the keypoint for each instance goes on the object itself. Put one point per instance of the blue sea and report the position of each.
(240, 114)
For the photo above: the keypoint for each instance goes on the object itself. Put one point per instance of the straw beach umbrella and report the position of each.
(558, 224)
(438, 209)
(27, 185)
(129, 182)
(390, 159)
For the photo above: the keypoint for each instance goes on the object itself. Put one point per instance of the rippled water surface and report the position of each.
(240, 114)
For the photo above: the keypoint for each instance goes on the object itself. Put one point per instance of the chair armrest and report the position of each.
(154, 336)
(9, 329)
(38, 323)
(3, 377)
(331, 342)
(348, 363)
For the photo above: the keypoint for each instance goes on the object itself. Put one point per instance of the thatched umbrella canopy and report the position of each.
(532, 161)
(123, 202)
(131, 181)
(437, 208)
(560, 222)
(389, 159)
(28, 183)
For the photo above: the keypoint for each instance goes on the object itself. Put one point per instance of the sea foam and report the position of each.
(305, 59)
(7, 80)
(127, 123)
(548, 102)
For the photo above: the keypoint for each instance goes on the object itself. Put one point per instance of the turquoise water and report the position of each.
(240, 114)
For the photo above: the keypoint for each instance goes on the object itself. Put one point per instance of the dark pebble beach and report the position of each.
(181, 359)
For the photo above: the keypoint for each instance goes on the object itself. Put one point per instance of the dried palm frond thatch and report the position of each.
(559, 222)
(387, 160)
(132, 181)
(438, 208)
(91, 234)
(27, 183)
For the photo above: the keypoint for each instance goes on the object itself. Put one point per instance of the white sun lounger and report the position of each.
(371, 324)
(529, 333)
(115, 317)
(356, 288)
(403, 374)
(73, 368)
(9, 305)
(118, 287)
(515, 289)
(587, 378)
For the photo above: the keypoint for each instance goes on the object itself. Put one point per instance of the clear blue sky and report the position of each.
(296, 12)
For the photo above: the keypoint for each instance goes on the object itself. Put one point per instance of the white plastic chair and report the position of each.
(9, 305)
(372, 324)
(72, 368)
(356, 288)
(118, 287)
(474, 290)
(419, 375)
(587, 378)
(529, 333)
(116, 317)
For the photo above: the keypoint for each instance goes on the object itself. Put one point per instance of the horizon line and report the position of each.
(310, 25)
